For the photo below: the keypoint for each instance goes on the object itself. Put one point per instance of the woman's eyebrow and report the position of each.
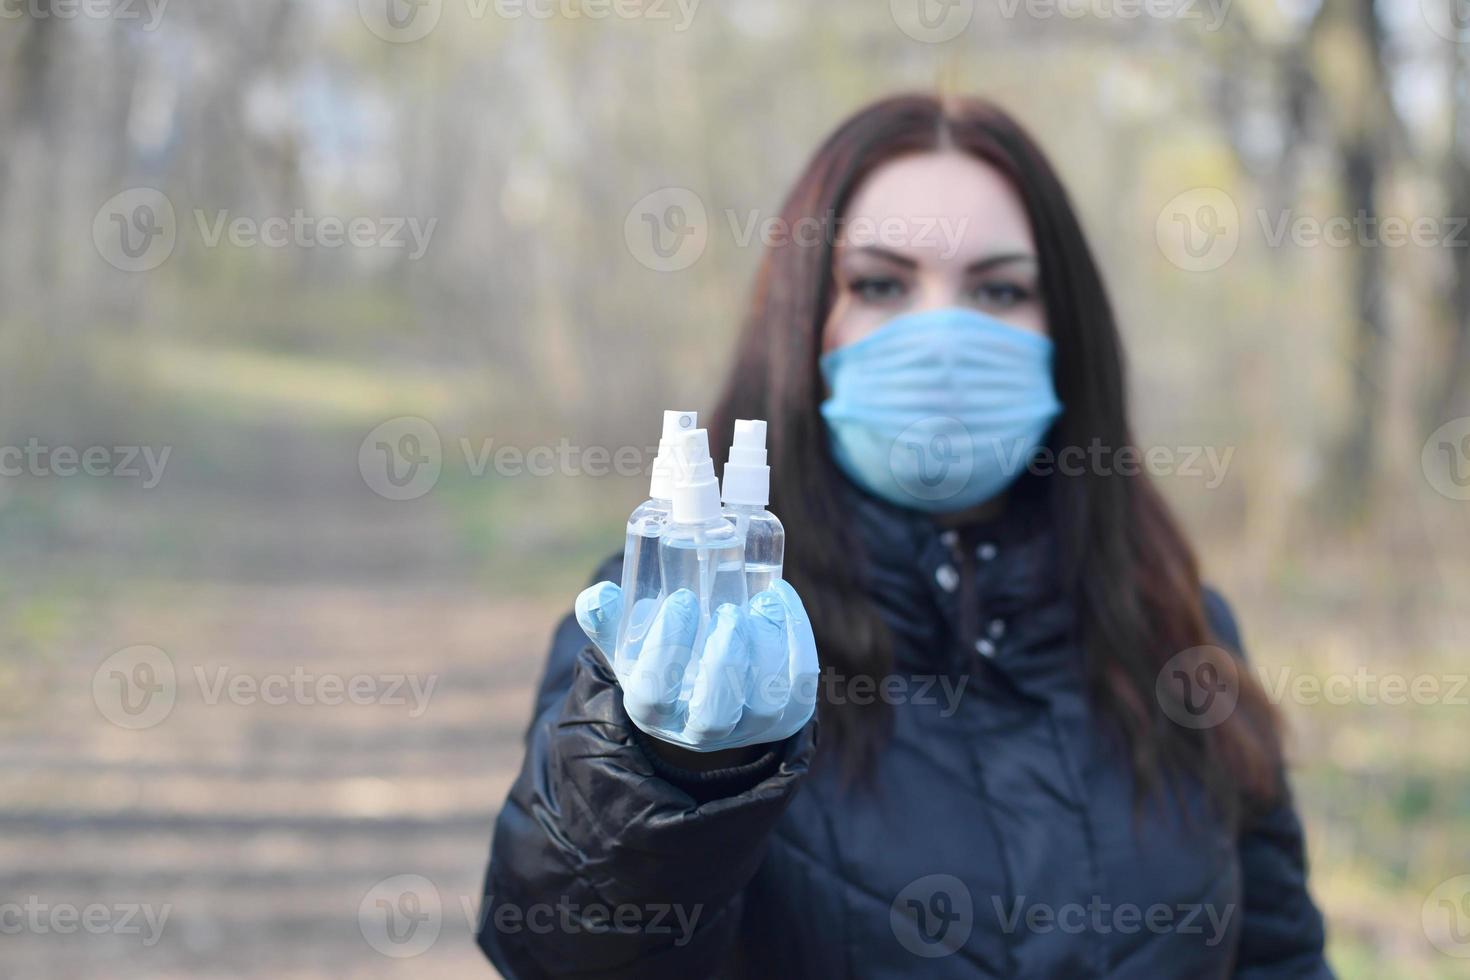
(883, 253)
(991, 261)
(979, 265)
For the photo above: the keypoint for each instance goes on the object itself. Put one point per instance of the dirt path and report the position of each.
(320, 745)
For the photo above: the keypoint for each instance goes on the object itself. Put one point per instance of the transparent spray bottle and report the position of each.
(642, 581)
(747, 491)
(700, 550)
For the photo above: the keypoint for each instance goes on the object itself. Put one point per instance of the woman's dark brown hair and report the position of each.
(1123, 558)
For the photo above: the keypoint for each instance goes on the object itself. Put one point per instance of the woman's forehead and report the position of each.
(941, 205)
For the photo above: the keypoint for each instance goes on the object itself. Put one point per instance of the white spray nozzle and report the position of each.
(676, 423)
(747, 477)
(696, 491)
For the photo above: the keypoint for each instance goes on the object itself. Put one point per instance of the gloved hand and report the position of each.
(755, 676)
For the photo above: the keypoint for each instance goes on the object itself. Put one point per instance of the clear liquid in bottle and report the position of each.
(765, 545)
(700, 550)
(642, 578)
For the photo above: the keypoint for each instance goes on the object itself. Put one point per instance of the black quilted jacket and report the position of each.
(998, 837)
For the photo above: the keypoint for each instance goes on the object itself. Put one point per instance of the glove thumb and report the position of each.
(599, 608)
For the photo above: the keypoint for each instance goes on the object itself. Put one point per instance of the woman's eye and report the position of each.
(876, 289)
(1001, 294)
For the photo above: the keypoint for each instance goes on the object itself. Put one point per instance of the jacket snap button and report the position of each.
(997, 628)
(986, 551)
(949, 538)
(947, 578)
(984, 647)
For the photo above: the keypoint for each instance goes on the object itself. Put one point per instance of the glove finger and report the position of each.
(652, 682)
(721, 681)
(770, 682)
(598, 608)
(803, 643)
(630, 643)
(802, 664)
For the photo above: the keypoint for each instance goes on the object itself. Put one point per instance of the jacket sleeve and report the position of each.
(1282, 934)
(607, 861)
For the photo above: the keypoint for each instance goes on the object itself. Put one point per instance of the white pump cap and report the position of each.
(661, 485)
(696, 491)
(747, 477)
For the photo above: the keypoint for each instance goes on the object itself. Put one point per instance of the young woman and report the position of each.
(1034, 761)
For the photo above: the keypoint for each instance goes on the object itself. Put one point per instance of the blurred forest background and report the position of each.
(533, 146)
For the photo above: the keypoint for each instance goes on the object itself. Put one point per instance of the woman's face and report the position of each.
(928, 231)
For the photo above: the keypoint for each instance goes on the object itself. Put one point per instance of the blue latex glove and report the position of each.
(755, 676)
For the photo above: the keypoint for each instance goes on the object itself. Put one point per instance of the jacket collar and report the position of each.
(914, 577)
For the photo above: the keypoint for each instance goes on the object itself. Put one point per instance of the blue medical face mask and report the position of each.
(939, 410)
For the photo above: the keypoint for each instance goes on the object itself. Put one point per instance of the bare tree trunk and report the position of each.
(38, 106)
(1451, 397)
(1358, 451)
(1364, 132)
